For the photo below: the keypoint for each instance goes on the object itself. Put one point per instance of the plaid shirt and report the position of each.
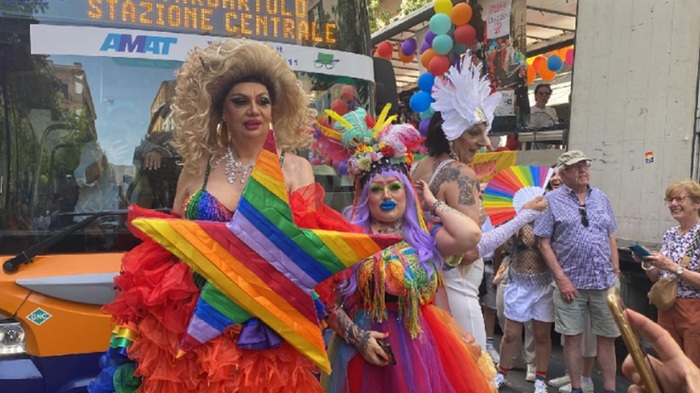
(583, 252)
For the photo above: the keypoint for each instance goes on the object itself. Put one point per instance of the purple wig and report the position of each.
(420, 240)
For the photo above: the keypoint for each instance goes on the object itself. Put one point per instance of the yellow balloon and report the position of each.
(443, 6)
(530, 60)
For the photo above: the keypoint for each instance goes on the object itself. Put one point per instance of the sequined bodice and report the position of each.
(204, 206)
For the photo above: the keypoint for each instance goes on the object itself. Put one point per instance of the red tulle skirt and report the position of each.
(441, 359)
(157, 296)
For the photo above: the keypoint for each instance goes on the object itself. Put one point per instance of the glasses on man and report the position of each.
(584, 215)
(544, 93)
(678, 199)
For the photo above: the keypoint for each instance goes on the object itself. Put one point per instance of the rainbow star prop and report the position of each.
(510, 188)
(261, 264)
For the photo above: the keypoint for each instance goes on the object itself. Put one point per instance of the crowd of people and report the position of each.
(408, 318)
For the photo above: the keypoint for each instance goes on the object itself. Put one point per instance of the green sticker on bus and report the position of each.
(39, 316)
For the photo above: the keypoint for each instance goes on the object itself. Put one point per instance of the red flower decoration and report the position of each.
(370, 121)
(388, 151)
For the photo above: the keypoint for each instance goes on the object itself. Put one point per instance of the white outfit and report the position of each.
(525, 352)
(463, 299)
(463, 289)
(526, 303)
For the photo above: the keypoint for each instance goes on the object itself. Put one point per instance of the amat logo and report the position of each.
(138, 44)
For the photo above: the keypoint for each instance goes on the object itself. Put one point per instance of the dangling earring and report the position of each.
(452, 153)
(220, 134)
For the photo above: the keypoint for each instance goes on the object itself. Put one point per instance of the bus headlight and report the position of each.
(11, 338)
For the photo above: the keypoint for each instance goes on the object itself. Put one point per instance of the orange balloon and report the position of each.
(562, 52)
(404, 58)
(461, 14)
(426, 56)
(546, 74)
(539, 63)
(531, 73)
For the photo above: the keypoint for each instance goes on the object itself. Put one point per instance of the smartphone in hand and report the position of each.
(633, 342)
(387, 349)
(639, 250)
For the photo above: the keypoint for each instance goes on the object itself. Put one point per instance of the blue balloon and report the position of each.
(440, 24)
(426, 81)
(442, 44)
(420, 101)
(554, 63)
(459, 48)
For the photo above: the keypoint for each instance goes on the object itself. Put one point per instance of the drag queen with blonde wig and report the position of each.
(229, 97)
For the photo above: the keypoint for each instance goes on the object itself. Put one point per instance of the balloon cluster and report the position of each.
(344, 103)
(406, 52)
(548, 65)
(449, 36)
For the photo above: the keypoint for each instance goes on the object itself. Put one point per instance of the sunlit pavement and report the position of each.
(517, 383)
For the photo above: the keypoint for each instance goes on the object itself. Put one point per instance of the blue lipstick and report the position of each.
(387, 205)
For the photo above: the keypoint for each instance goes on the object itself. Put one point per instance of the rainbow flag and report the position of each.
(261, 264)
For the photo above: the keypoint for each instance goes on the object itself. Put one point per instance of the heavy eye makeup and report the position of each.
(242, 100)
(393, 187)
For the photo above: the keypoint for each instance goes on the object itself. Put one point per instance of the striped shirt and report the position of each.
(582, 252)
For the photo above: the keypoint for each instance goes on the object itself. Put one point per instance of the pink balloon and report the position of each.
(570, 58)
(347, 92)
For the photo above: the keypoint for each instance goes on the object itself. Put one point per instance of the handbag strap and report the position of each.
(691, 250)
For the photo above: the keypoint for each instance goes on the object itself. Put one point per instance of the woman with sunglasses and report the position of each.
(682, 319)
(541, 115)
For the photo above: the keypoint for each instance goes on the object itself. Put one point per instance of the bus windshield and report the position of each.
(85, 93)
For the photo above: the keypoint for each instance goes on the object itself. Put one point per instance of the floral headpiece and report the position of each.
(464, 98)
(370, 145)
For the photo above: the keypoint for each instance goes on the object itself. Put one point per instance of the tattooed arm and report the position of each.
(459, 233)
(458, 186)
(363, 340)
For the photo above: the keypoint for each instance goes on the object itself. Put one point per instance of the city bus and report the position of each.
(85, 91)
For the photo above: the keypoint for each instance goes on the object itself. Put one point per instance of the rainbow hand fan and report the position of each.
(511, 188)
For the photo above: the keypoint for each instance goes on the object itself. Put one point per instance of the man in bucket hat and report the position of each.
(577, 241)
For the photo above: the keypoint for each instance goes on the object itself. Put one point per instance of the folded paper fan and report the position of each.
(510, 188)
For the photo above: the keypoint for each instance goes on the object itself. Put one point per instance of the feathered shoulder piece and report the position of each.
(464, 98)
(371, 144)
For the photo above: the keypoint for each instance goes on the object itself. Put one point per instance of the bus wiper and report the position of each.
(28, 255)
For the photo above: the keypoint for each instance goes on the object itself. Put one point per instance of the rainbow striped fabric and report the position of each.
(260, 263)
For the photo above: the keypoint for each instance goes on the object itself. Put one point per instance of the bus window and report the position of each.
(88, 123)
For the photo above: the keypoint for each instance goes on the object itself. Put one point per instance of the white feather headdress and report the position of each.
(464, 98)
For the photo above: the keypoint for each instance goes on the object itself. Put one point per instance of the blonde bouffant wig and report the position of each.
(206, 77)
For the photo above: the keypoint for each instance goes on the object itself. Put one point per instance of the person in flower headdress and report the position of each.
(389, 335)
(227, 97)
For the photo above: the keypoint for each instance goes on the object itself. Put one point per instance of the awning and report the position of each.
(551, 24)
